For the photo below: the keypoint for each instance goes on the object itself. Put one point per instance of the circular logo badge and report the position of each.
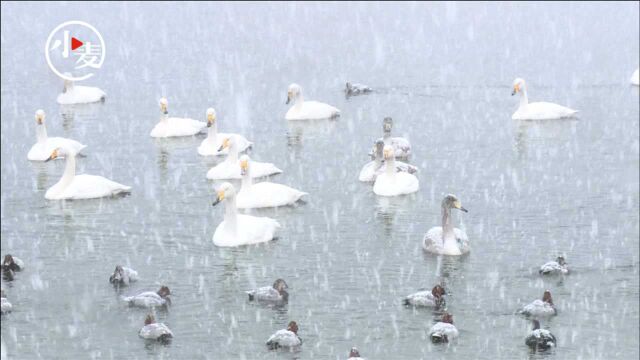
(74, 50)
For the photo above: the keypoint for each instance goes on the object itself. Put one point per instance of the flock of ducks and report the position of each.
(390, 175)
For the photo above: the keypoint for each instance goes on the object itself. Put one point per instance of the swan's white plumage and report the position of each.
(86, 187)
(635, 78)
(433, 242)
(210, 145)
(78, 94)
(308, 110)
(40, 151)
(372, 169)
(537, 110)
(230, 169)
(172, 126)
(267, 194)
(248, 230)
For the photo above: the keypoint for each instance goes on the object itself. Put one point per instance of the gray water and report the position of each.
(442, 71)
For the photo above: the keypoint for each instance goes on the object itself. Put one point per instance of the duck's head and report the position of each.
(536, 324)
(388, 153)
(561, 261)
(546, 297)
(451, 202)
(387, 124)
(150, 319)
(164, 105)
(280, 285)
(244, 164)
(8, 260)
(164, 292)
(354, 352)
(293, 327)
(518, 86)
(211, 117)
(226, 190)
(447, 318)
(293, 92)
(118, 275)
(40, 116)
(438, 291)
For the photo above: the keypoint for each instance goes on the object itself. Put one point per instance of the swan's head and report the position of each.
(518, 86)
(451, 202)
(211, 117)
(388, 152)
(560, 260)
(118, 275)
(387, 124)
(447, 318)
(227, 143)
(164, 105)
(244, 164)
(354, 352)
(280, 285)
(293, 92)
(40, 116)
(546, 297)
(149, 319)
(226, 190)
(378, 149)
(293, 327)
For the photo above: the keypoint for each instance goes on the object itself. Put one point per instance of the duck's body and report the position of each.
(307, 110)
(230, 167)
(444, 330)
(285, 338)
(123, 276)
(273, 294)
(41, 150)
(12, 263)
(432, 299)
(150, 299)
(75, 187)
(392, 183)
(78, 94)
(353, 89)
(635, 78)
(156, 331)
(212, 144)
(450, 241)
(172, 126)
(263, 194)
(237, 229)
(537, 110)
(540, 308)
(540, 339)
(554, 267)
(5, 305)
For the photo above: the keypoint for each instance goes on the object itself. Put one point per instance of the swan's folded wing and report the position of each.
(92, 186)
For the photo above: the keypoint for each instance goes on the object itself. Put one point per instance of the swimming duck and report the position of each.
(554, 267)
(433, 298)
(230, 169)
(540, 308)
(171, 126)
(12, 263)
(307, 110)
(78, 94)
(123, 275)
(451, 241)
(635, 78)
(238, 229)
(443, 331)
(354, 354)
(537, 110)
(155, 331)
(540, 339)
(276, 293)
(5, 305)
(371, 170)
(72, 186)
(356, 89)
(212, 143)
(263, 194)
(391, 182)
(285, 338)
(41, 150)
(162, 297)
(401, 146)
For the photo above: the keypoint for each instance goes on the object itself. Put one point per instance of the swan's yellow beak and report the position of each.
(225, 144)
(516, 89)
(39, 119)
(289, 96)
(244, 166)
(54, 154)
(219, 198)
(458, 206)
(211, 118)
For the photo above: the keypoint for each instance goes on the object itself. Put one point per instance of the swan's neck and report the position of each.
(524, 100)
(230, 213)
(232, 157)
(41, 132)
(212, 133)
(164, 117)
(68, 86)
(447, 227)
(247, 181)
(299, 101)
(69, 171)
(386, 136)
(391, 166)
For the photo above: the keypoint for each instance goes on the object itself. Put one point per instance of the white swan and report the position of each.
(171, 126)
(451, 241)
(230, 169)
(263, 194)
(393, 183)
(371, 170)
(72, 186)
(307, 110)
(401, 146)
(237, 229)
(45, 145)
(537, 110)
(78, 94)
(212, 143)
(635, 78)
